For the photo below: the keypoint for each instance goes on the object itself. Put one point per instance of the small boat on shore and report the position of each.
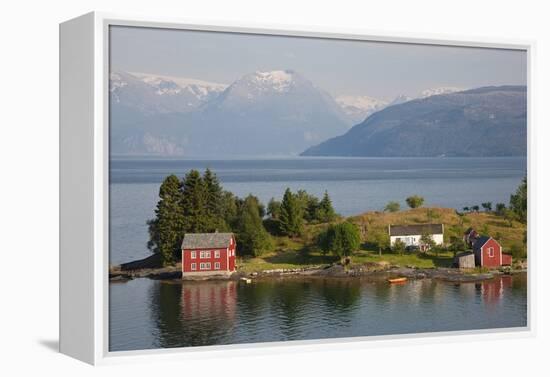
(397, 280)
(246, 280)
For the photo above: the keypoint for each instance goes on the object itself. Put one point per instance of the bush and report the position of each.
(392, 207)
(518, 251)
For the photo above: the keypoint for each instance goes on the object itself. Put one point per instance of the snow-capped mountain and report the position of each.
(360, 107)
(262, 113)
(160, 94)
(277, 111)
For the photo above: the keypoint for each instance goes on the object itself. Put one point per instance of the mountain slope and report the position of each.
(489, 121)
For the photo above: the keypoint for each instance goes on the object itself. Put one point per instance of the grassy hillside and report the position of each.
(301, 252)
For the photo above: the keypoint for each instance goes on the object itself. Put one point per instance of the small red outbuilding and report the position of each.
(204, 254)
(488, 253)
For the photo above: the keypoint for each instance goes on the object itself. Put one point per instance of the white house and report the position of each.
(410, 234)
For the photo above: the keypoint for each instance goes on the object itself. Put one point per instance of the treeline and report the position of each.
(198, 204)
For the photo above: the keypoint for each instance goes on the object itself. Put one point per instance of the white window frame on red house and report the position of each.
(193, 254)
(217, 266)
(193, 267)
(491, 252)
(216, 254)
(205, 254)
(205, 266)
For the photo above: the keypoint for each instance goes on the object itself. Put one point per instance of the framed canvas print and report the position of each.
(231, 188)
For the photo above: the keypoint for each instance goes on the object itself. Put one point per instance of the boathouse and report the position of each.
(488, 253)
(410, 235)
(205, 254)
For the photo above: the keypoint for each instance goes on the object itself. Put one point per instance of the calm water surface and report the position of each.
(355, 185)
(148, 314)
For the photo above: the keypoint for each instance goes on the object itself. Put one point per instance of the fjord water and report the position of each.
(147, 314)
(355, 185)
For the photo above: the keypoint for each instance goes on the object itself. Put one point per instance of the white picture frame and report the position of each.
(84, 198)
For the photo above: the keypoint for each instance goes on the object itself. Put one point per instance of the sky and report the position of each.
(341, 67)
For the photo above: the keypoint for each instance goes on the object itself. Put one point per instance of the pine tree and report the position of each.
(252, 238)
(214, 202)
(166, 230)
(518, 201)
(326, 211)
(194, 203)
(290, 218)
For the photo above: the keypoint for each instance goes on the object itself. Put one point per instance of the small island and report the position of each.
(302, 235)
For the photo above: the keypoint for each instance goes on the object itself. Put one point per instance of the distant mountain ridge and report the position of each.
(488, 121)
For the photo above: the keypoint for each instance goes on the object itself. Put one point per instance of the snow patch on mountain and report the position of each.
(438, 91)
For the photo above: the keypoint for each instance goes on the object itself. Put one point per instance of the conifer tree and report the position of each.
(166, 229)
(194, 203)
(290, 218)
(326, 211)
(252, 238)
(214, 202)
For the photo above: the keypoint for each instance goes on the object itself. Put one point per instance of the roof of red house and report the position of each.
(480, 241)
(206, 240)
(410, 230)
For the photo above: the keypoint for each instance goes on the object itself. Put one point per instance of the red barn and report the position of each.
(488, 253)
(204, 254)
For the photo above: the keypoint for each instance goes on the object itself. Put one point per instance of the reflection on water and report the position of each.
(151, 314)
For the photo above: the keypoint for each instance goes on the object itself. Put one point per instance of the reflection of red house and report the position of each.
(488, 253)
(204, 254)
(214, 300)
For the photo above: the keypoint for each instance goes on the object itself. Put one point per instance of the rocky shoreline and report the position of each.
(373, 271)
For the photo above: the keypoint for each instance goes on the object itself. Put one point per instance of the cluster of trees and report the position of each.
(414, 201)
(296, 209)
(198, 204)
(516, 210)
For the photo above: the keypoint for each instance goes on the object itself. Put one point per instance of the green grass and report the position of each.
(416, 259)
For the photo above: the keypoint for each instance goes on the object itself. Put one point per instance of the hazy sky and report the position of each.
(382, 70)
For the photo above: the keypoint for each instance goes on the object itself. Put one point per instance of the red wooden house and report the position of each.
(488, 253)
(204, 254)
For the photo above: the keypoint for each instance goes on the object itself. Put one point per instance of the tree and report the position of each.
(326, 212)
(499, 208)
(475, 208)
(392, 207)
(214, 210)
(399, 247)
(194, 204)
(382, 241)
(167, 228)
(415, 201)
(274, 208)
(488, 206)
(252, 238)
(518, 201)
(309, 205)
(340, 239)
(291, 217)
(466, 209)
(427, 240)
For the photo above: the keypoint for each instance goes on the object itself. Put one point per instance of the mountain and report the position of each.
(359, 107)
(151, 94)
(262, 113)
(488, 121)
